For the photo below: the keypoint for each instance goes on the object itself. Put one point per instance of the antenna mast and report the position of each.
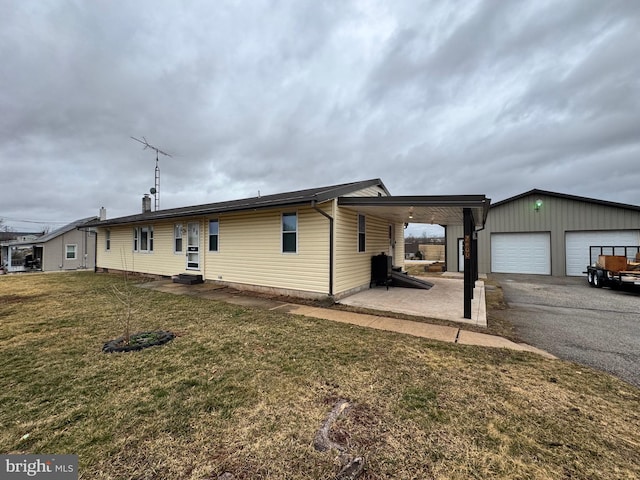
(155, 191)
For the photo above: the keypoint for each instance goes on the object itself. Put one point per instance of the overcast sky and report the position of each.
(433, 97)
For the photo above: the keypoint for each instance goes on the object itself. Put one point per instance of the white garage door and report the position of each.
(521, 253)
(578, 243)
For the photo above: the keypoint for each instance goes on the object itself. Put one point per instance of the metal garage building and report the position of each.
(546, 233)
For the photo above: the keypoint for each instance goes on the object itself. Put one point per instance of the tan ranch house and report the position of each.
(310, 243)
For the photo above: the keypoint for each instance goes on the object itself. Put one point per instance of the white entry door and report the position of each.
(193, 246)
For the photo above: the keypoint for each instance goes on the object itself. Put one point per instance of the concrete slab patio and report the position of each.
(443, 301)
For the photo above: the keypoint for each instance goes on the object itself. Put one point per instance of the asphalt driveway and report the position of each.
(564, 316)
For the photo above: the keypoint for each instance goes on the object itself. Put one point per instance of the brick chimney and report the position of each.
(146, 203)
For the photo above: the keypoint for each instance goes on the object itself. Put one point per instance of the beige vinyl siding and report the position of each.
(556, 215)
(398, 259)
(373, 191)
(118, 257)
(377, 236)
(353, 268)
(250, 251)
(162, 261)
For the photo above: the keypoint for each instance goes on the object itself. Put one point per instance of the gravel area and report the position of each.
(563, 315)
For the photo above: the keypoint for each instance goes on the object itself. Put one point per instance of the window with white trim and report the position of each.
(289, 232)
(143, 239)
(362, 233)
(71, 251)
(177, 238)
(107, 239)
(214, 233)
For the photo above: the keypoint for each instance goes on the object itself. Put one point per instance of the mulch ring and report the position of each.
(138, 341)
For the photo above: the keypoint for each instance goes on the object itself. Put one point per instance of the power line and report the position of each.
(31, 221)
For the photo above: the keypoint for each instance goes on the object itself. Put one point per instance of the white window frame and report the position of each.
(178, 235)
(137, 239)
(75, 251)
(107, 239)
(217, 235)
(362, 232)
(284, 232)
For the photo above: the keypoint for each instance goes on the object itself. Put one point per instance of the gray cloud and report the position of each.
(435, 97)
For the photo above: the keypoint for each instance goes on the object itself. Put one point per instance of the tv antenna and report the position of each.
(155, 191)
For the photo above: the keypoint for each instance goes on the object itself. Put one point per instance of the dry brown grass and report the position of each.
(244, 390)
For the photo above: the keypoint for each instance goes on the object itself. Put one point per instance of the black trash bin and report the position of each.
(380, 270)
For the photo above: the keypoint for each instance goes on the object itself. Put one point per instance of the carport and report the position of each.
(470, 211)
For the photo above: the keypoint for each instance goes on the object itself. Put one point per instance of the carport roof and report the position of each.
(435, 209)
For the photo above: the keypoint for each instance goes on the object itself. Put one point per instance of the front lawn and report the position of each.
(244, 391)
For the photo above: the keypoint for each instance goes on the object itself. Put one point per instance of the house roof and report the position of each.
(6, 236)
(55, 233)
(287, 199)
(437, 209)
(565, 196)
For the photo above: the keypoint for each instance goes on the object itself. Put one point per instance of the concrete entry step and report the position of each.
(187, 279)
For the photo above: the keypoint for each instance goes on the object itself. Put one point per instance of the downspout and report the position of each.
(477, 268)
(63, 251)
(446, 248)
(314, 205)
(201, 258)
(87, 234)
(484, 225)
(487, 209)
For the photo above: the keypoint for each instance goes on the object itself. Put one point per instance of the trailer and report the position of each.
(615, 267)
